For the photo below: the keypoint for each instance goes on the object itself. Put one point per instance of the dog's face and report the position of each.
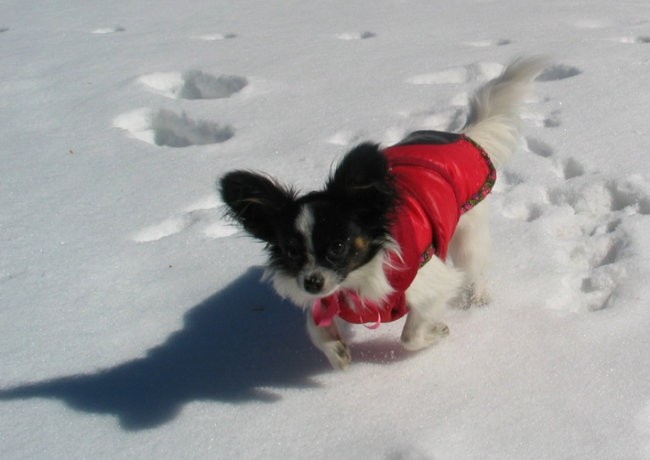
(317, 241)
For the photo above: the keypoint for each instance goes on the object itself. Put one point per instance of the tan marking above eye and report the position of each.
(360, 243)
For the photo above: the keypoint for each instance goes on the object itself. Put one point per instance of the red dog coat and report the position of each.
(439, 176)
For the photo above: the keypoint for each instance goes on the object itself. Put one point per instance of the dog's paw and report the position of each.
(338, 354)
(424, 336)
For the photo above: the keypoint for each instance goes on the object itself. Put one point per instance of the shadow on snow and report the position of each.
(233, 347)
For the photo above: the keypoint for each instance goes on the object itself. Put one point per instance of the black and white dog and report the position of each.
(373, 244)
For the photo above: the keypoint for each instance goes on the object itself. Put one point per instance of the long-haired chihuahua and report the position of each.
(399, 230)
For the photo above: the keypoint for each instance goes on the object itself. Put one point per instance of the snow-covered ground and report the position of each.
(132, 320)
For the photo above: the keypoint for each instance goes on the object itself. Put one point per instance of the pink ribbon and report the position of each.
(327, 308)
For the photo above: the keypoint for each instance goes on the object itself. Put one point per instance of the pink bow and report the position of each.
(326, 308)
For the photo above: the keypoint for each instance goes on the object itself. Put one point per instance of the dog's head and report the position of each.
(317, 242)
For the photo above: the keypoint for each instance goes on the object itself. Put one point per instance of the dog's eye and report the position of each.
(292, 249)
(336, 250)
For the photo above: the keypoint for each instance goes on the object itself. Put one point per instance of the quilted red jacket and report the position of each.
(439, 176)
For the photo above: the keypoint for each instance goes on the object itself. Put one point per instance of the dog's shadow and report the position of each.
(236, 346)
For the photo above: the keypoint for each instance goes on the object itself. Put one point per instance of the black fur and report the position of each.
(258, 203)
(363, 179)
(352, 214)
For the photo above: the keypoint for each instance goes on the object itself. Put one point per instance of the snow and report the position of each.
(133, 320)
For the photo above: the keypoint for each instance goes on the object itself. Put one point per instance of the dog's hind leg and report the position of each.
(435, 285)
(470, 250)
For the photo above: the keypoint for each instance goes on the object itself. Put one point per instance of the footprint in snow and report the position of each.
(520, 200)
(407, 453)
(347, 138)
(202, 216)
(548, 120)
(552, 120)
(569, 168)
(356, 35)
(582, 220)
(582, 214)
(193, 84)
(480, 71)
(558, 72)
(489, 43)
(454, 114)
(538, 147)
(592, 241)
(566, 168)
(448, 119)
(581, 217)
(166, 128)
(214, 37)
(644, 39)
(108, 30)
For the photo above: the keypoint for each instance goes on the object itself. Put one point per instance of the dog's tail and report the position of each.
(494, 113)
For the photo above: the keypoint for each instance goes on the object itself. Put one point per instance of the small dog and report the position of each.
(371, 246)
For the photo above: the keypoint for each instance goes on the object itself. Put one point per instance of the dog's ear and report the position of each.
(256, 202)
(363, 177)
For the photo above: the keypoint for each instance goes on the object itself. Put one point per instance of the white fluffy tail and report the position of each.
(494, 114)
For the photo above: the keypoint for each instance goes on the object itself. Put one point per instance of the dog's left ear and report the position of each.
(363, 177)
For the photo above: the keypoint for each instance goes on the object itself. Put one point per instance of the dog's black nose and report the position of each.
(314, 283)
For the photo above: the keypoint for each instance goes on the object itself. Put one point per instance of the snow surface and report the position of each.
(132, 320)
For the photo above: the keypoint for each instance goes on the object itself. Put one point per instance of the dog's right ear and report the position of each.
(256, 202)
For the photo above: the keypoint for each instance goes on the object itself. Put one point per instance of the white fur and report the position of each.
(470, 250)
(494, 116)
(493, 122)
(292, 287)
(328, 340)
(435, 285)
(305, 225)
(287, 287)
(370, 281)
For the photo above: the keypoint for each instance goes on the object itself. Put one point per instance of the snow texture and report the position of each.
(134, 323)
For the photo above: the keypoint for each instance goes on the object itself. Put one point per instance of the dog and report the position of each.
(395, 231)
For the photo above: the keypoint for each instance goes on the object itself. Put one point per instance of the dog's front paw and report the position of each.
(423, 336)
(338, 354)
